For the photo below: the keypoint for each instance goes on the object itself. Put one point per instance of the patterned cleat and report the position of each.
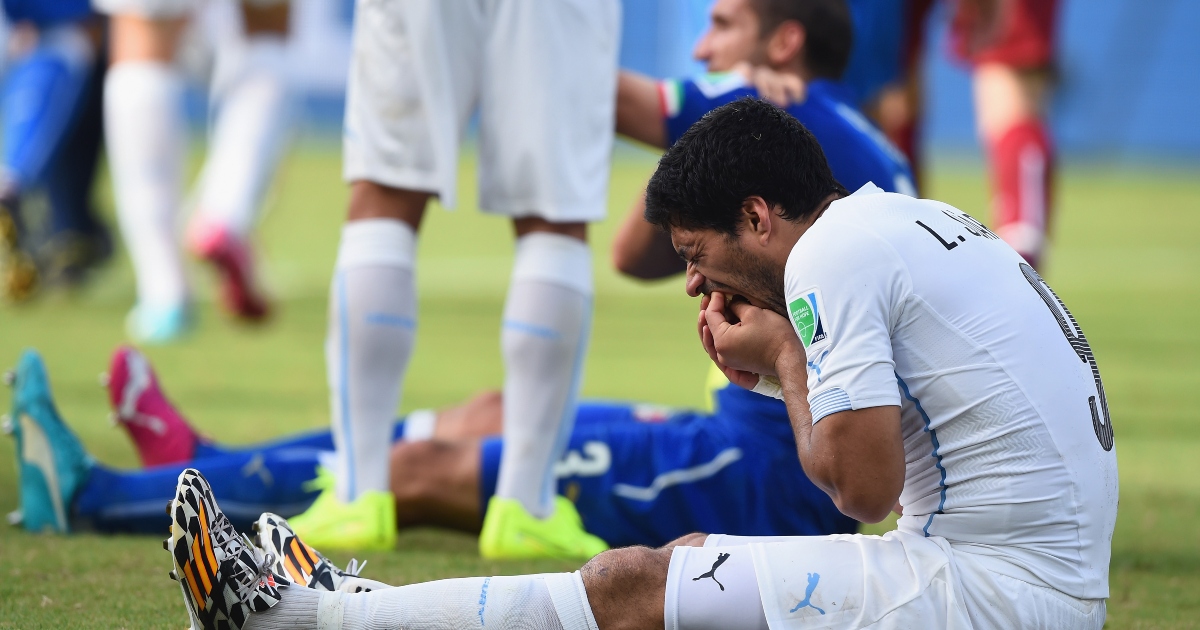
(233, 260)
(151, 325)
(223, 576)
(18, 271)
(303, 564)
(161, 434)
(512, 533)
(367, 523)
(52, 463)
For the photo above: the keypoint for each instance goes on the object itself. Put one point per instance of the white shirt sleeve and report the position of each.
(845, 289)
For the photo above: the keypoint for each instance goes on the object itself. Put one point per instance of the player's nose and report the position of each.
(703, 50)
(695, 282)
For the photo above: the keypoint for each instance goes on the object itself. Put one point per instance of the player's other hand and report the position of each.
(780, 88)
(745, 341)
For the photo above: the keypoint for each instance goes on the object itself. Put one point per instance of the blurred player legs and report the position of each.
(50, 146)
(1010, 48)
(146, 127)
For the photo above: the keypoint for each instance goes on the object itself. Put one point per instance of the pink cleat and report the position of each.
(233, 259)
(160, 433)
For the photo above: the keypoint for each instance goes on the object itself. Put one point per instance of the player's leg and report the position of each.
(410, 91)
(80, 239)
(251, 99)
(146, 132)
(544, 337)
(231, 594)
(372, 326)
(41, 100)
(41, 97)
(251, 482)
(1008, 104)
(847, 581)
(545, 143)
(1012, 51)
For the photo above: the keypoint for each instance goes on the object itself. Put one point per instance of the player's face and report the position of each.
(732, 36)
(720, 263)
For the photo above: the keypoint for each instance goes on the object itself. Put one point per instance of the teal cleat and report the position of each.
(156, 325)
(51, 461)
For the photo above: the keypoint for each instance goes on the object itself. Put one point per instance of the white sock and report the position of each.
(554, 601)
(252, 99)
(372, 324)
(547, 320)
(145, 131)
(420, 425)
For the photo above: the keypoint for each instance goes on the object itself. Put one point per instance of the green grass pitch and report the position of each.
(1126, 261)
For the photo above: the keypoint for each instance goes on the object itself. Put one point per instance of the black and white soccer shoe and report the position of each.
(302, 564)
(224, 577)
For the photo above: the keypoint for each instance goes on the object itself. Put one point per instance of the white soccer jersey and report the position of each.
(1007, 440)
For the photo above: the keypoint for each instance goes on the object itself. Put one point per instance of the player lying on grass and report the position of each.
(639, 475)
(926, 367)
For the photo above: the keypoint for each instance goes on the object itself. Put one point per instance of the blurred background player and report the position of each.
(1010, 48)
(807, 41)
(51, 141)
(146, 127)
(542, 75)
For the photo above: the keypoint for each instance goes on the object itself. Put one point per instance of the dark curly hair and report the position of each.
(744, 149)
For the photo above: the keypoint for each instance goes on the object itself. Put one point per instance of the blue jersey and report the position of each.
(47, 13)
(856, 150)
(642, 475)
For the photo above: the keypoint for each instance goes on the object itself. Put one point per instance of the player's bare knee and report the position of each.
(695, 539)
(371, 200)
(626, 587)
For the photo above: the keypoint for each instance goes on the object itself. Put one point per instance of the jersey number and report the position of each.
(1101, 421)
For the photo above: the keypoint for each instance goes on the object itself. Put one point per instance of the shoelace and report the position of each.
(354, 569)
(248, 577)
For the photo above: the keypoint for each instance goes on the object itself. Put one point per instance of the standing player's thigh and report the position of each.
(897, 580)
(150, 9)
(547, 108)
(414, 77)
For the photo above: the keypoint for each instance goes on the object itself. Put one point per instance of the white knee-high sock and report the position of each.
(553, 601)
(372, 325)
(547, 320)
(145, 131)
(252, 103)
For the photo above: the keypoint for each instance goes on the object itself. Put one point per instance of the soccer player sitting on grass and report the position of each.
(638, 474)
(926, 368)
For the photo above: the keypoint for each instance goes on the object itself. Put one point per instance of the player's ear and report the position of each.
(757, 218)
(786, 43)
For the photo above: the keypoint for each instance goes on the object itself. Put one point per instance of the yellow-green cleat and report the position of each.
(511, 533)
(367, 523)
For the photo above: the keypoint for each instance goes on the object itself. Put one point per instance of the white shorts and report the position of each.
(542, 74)
(163, 9)
(898, 580)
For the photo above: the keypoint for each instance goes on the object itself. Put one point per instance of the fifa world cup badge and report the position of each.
(806, 317)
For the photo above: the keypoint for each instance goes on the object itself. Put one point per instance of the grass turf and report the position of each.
(1125, 260)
